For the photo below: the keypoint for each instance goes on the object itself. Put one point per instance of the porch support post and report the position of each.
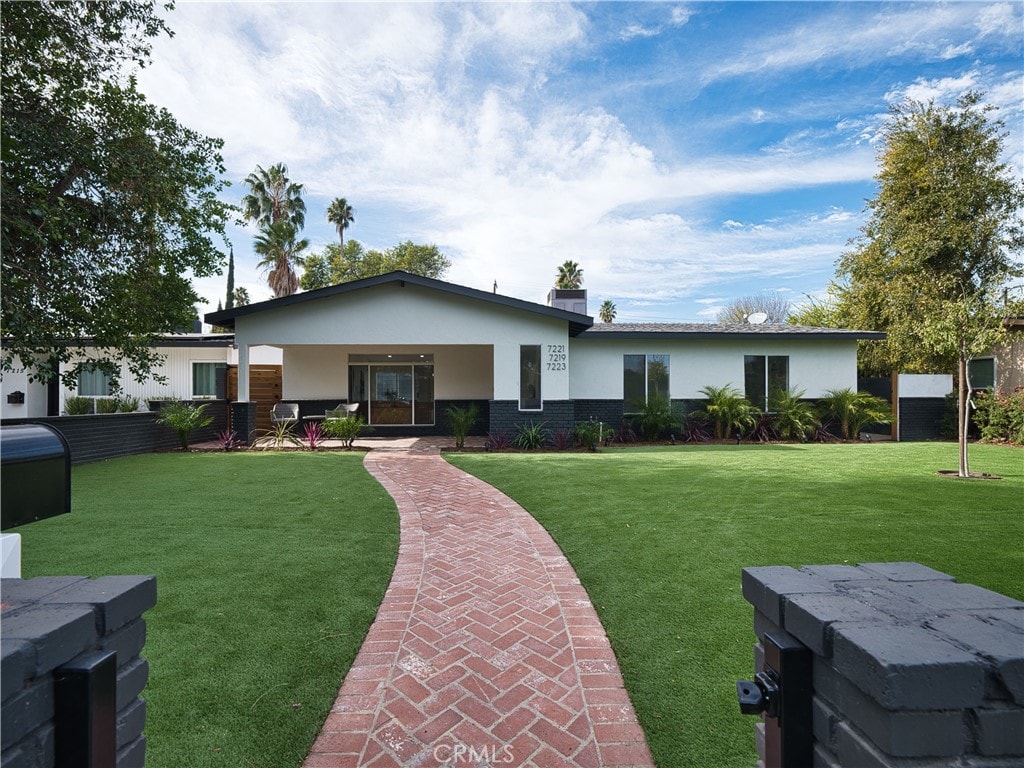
(243, 412)
(243, 373)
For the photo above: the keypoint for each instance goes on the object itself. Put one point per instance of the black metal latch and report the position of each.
(761, 695)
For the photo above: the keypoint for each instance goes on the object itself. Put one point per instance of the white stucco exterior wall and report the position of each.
(35, 395)
(815, 365)
(412, 319)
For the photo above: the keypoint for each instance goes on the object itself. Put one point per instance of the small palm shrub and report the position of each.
(795, 418)
(655, 418)
(184, 417)
(591, 434)
(727, 409)
(852, 411)
(346, 429)
(78, 406)
(531, 436)
(462, 421)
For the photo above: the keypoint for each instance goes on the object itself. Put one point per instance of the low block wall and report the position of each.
(910, 667)
(108, 435)
(50, 621)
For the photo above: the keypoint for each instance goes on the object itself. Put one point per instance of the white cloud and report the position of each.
(445, 115)
(638, 30)
(844, 34)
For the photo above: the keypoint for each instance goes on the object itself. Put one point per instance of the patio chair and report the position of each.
(342, 411)
(284, 413)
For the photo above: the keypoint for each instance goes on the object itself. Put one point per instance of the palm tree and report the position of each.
(280, 250)
(241, 296)
(607, 311)
(569, 276)
(340, 214)
(727, 409)
(273, 198)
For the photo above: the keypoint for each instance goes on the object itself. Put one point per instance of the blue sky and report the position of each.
(684, 154)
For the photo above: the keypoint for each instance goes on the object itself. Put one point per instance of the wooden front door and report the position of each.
(264, 390)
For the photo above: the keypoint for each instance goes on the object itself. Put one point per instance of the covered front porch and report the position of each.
(399, 389)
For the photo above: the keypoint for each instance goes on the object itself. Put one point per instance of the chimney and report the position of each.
(571, 300)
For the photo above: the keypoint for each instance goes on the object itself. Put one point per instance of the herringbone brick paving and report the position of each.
(486, 651)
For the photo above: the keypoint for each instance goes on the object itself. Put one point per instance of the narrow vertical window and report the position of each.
(657, 376)
(634, 384)
(754, 380)
(778, 375)
(529, 377)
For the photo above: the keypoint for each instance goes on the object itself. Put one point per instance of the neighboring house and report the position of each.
(405, 347)
(193, 368)
(1003, 368)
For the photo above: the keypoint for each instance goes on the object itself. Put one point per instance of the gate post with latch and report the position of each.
(783, 692)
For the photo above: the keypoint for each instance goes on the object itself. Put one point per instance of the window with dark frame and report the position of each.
(529, 377)
(204, 379)
(643, 377)
(763, 376)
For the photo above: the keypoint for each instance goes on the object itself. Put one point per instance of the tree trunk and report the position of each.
(963, 416)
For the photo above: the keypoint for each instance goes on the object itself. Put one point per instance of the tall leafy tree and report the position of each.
(108, 202)
(569, 276)
(273, 197)
(775, 305)
(336, 264)
(341, 215)
(281, 252)
(945, 234)
(607, 311)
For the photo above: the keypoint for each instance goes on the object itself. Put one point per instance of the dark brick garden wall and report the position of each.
(50, 621)
(505, 416)
(106, 436)
(910, 667)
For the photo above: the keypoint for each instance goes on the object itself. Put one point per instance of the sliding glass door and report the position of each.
(393, 389)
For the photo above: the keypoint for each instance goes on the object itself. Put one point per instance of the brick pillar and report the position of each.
(53, 620)
(243, 420)
(909, 665)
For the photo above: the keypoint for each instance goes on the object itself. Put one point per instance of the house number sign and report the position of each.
(558, 360)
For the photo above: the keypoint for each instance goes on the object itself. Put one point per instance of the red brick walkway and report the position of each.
(486, 650)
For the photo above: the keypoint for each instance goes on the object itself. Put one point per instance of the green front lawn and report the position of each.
(269, 567)
(658, 537)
